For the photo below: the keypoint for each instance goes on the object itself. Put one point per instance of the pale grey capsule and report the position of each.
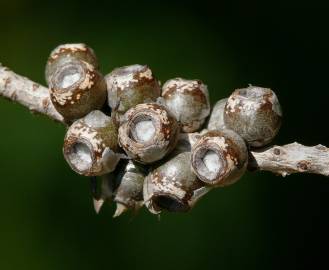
(129, 193)
(188, 100)
(216, 120)
(254, 113)
(172, 186)
(131, 85)
(103, 189)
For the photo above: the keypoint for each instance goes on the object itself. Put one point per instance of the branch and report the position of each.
(28, 93)
(291, 158)
(283, 160)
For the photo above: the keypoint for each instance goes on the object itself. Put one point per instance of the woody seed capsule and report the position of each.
(173, 186)
(91, 146)
(188, 100)
(65, 52)
(148, 133)
(216, 120)
(129, 193)
(76, 88)
(220, 157)
(131, 85)
(254, 113)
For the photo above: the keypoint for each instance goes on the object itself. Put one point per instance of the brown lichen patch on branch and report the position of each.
(303, 165)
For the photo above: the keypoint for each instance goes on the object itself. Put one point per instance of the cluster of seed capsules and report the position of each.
(158, 147)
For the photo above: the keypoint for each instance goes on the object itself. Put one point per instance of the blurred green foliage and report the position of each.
(262, 222)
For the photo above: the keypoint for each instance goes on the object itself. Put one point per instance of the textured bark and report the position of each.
(28, 93)
(291, 158)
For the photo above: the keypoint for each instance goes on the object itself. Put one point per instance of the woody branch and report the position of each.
(282, 160)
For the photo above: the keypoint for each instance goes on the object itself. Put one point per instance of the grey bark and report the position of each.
(28, 93)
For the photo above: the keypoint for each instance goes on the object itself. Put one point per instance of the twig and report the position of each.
(283, 160)
(28, 93)
(291, 158)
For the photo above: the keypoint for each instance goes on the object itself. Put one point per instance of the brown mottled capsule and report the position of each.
(131, 85)
(216, 120)
(76, 88)
(254, 113)
(66, 52)
(188, 100)
(91, 145)
(148, 133)
(173, 186)
(220, 157)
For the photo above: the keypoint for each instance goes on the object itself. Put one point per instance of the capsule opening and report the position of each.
(128, 70)
(254, 92)
(170, 204)
(80, 156)
(68, 76)
(143, 130)
(209, 164)
(212, 162)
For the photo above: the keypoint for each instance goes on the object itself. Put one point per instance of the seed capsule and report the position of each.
(129, 194)
(188, 100)
(148, 133)
(102, 191)
(66, 52)
(219, 158)
(254, 113)
(173, 186)
(216, 120)
(76, 88)
(131, 85)
(90, 145)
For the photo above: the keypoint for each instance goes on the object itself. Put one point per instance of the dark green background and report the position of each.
(262, 222)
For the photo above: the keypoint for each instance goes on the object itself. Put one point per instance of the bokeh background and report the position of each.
(262, 222)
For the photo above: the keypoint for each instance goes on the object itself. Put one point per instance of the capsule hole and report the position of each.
(253, 92)
(209, 164)
(68, 76)
(143, 129)
(212, 162)
(170, 204)
(80, 156)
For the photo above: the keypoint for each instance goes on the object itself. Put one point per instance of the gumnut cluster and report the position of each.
(147, 145)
